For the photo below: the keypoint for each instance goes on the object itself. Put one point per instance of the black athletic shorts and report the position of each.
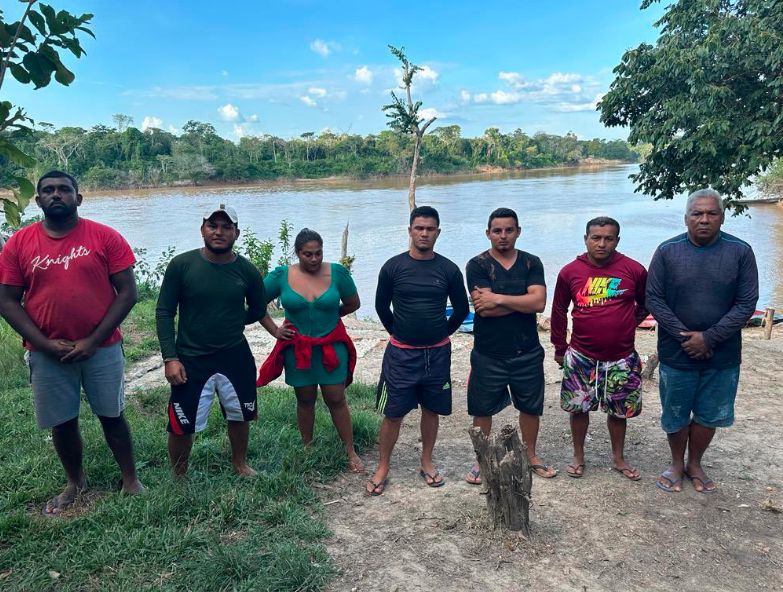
(491, 379)
(230, 374)
(413, 377)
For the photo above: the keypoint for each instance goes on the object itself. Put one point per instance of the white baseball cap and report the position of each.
(227, 210)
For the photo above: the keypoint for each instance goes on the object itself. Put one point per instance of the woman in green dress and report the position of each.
(315, 295)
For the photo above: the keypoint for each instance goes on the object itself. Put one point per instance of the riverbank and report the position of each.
(483, 171)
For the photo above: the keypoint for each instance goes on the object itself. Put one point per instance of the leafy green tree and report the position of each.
(32, 57)
(404, 116)
(708, 96)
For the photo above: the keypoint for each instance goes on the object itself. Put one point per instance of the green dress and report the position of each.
(314, 318)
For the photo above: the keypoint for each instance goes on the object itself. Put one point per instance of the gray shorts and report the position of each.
(57, 386)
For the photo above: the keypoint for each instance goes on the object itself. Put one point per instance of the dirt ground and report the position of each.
(601, 532)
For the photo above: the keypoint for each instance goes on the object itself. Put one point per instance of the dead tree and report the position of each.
(506, 477)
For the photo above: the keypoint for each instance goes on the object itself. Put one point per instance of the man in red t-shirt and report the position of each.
(600, 364)
(66, 284)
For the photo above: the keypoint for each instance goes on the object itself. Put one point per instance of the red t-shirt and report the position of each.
(608, 305)
(66, 279)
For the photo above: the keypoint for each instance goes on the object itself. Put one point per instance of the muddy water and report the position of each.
(553, 207)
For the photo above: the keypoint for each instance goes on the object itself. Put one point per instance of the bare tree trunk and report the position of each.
(344, 250)
(414, 167)
(506, 476)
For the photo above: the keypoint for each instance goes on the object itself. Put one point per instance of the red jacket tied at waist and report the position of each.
(303, 352)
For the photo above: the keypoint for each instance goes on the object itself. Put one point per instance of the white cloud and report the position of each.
(173, 130)
(428, 74)
(308, 101)
(505, 98)
(150, 121)
(513, 78)
(363, 74)
(561, 92)
(324, 48)
(430, 112)
(228, 112)
(224, 72)
(240, 129)
(188, 93)
(576, 107)
(253, 118)
(465, 96)
(317, 92)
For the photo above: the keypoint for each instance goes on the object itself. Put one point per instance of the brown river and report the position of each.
(553, 207)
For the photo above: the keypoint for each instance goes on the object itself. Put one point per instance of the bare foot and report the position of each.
(355, 464)
(245, 471)
(63, 501)
(134, 488)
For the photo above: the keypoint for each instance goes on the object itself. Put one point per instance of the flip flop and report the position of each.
(576, 475)
(375, 486)
(424, 474)
(629, 477)
(672, 482)
(704, 484)
(476, 474)
(544, 468)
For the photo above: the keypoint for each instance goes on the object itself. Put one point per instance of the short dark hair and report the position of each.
(424, 212)
(603, 221)
(502, 213)
(57, 175)
(305, 236)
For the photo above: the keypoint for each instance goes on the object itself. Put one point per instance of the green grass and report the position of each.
(138, 330)
(217, 532)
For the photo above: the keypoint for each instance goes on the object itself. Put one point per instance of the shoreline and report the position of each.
(282, 181)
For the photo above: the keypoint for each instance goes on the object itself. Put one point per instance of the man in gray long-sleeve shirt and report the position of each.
(702, 288)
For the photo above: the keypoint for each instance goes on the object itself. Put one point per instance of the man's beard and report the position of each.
(218, 250)
(60, 211)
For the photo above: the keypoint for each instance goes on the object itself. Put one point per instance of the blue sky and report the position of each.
(287, 67)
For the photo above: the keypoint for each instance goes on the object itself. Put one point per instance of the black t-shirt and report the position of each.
(511, 335)
(418, 289)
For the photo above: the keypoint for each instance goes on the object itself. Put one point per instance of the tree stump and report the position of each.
(506, 477)
(649, 367)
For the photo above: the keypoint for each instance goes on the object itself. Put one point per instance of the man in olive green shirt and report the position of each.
(209, 356)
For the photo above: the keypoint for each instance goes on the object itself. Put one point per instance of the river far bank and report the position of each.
(484, 170)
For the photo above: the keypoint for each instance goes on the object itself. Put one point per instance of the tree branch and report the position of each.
(4, 64)
(426, 125)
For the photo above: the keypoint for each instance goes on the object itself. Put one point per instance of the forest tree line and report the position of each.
(124, 156)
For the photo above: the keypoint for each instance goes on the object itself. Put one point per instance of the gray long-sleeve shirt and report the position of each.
(711, 289)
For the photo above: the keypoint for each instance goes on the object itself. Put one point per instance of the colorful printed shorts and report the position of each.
(617, 385)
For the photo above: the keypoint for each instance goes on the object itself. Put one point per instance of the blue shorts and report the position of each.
(707, 394)
(413, 377)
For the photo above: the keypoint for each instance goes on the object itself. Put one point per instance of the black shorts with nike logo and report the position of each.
(413, 377)
(230, 374)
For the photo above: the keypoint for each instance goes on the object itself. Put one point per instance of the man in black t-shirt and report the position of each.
(417, 362)
(508, 289)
